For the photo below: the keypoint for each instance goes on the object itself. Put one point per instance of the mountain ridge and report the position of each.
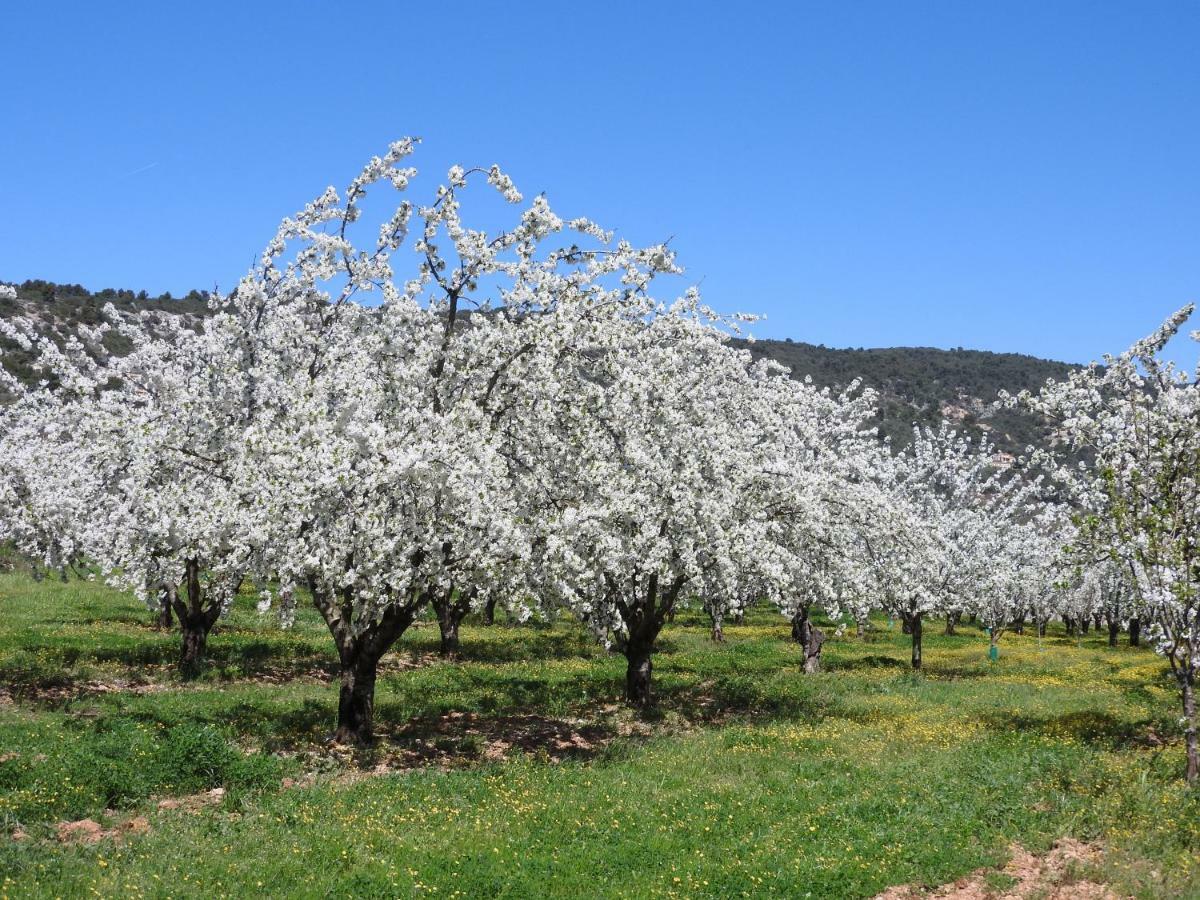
(916, 385)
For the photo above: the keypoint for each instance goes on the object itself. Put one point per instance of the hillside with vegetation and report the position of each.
(917, 385)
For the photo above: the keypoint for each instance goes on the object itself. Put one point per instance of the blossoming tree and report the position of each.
(1138, 419)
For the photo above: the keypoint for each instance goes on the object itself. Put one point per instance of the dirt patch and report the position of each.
(1052, 876)
(193, 802)
(89, 831)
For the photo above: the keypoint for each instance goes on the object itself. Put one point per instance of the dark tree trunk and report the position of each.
(1098, 622)
(952, 624)
(166, 600)
(489, 612)
(861, 629)
(356, 702)
(196, 619)
(1041, 628)
(1135, 633)
(913, 626)
(637, 675)
(1114, 632)
(1069, 624)
(1019, 625)
(451, 609)
(359, 652)
(195, 642)
(644, 614)
(1084, 624)
(905, 625)
(800, 624)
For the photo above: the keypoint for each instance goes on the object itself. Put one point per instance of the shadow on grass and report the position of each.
(1098, 729)
(870, 661)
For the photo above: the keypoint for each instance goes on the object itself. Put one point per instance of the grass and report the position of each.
(516, 772)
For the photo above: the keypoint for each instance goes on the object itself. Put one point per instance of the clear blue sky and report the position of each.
(1004, 176)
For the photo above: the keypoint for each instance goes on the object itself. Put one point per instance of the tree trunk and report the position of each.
(812, 648)
(359, 651)
(1187, 685)
(637, 675)
(718, 633)
(952, 624)
(906, 625)
(861, 629)
(1069, 624)
(800, 624)
(1042, 628)
(196, 619)
(356, 702)
(1019, 625)
(1084, 624)
(1135, 633)
(913, 625)
(451, 609)
(195, 641)
(489, 612)
(644, 614)
(166, 599)
(1114, 631)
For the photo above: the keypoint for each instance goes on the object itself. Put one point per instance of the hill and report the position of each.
(924, 385)
(920, 385)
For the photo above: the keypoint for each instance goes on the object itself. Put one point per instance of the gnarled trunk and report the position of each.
(359, 652)
(952, 624)
(1135, 633)
(356, 702)
(809, 637)
(800, 624)
(644, 615)
(638, 675)
(196, 619)
(1069, 624)
(489, 612)
(1114, 632)
(718, 632)
(166, 600)
(813, 640)
(451, 609)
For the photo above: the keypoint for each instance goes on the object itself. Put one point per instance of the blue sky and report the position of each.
(1003, 176)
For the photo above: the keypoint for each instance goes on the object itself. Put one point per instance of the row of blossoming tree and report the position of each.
(513, 418)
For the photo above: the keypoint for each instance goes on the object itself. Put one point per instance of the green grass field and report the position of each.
(516, 771)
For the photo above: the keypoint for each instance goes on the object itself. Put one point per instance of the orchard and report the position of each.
(399, 416)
